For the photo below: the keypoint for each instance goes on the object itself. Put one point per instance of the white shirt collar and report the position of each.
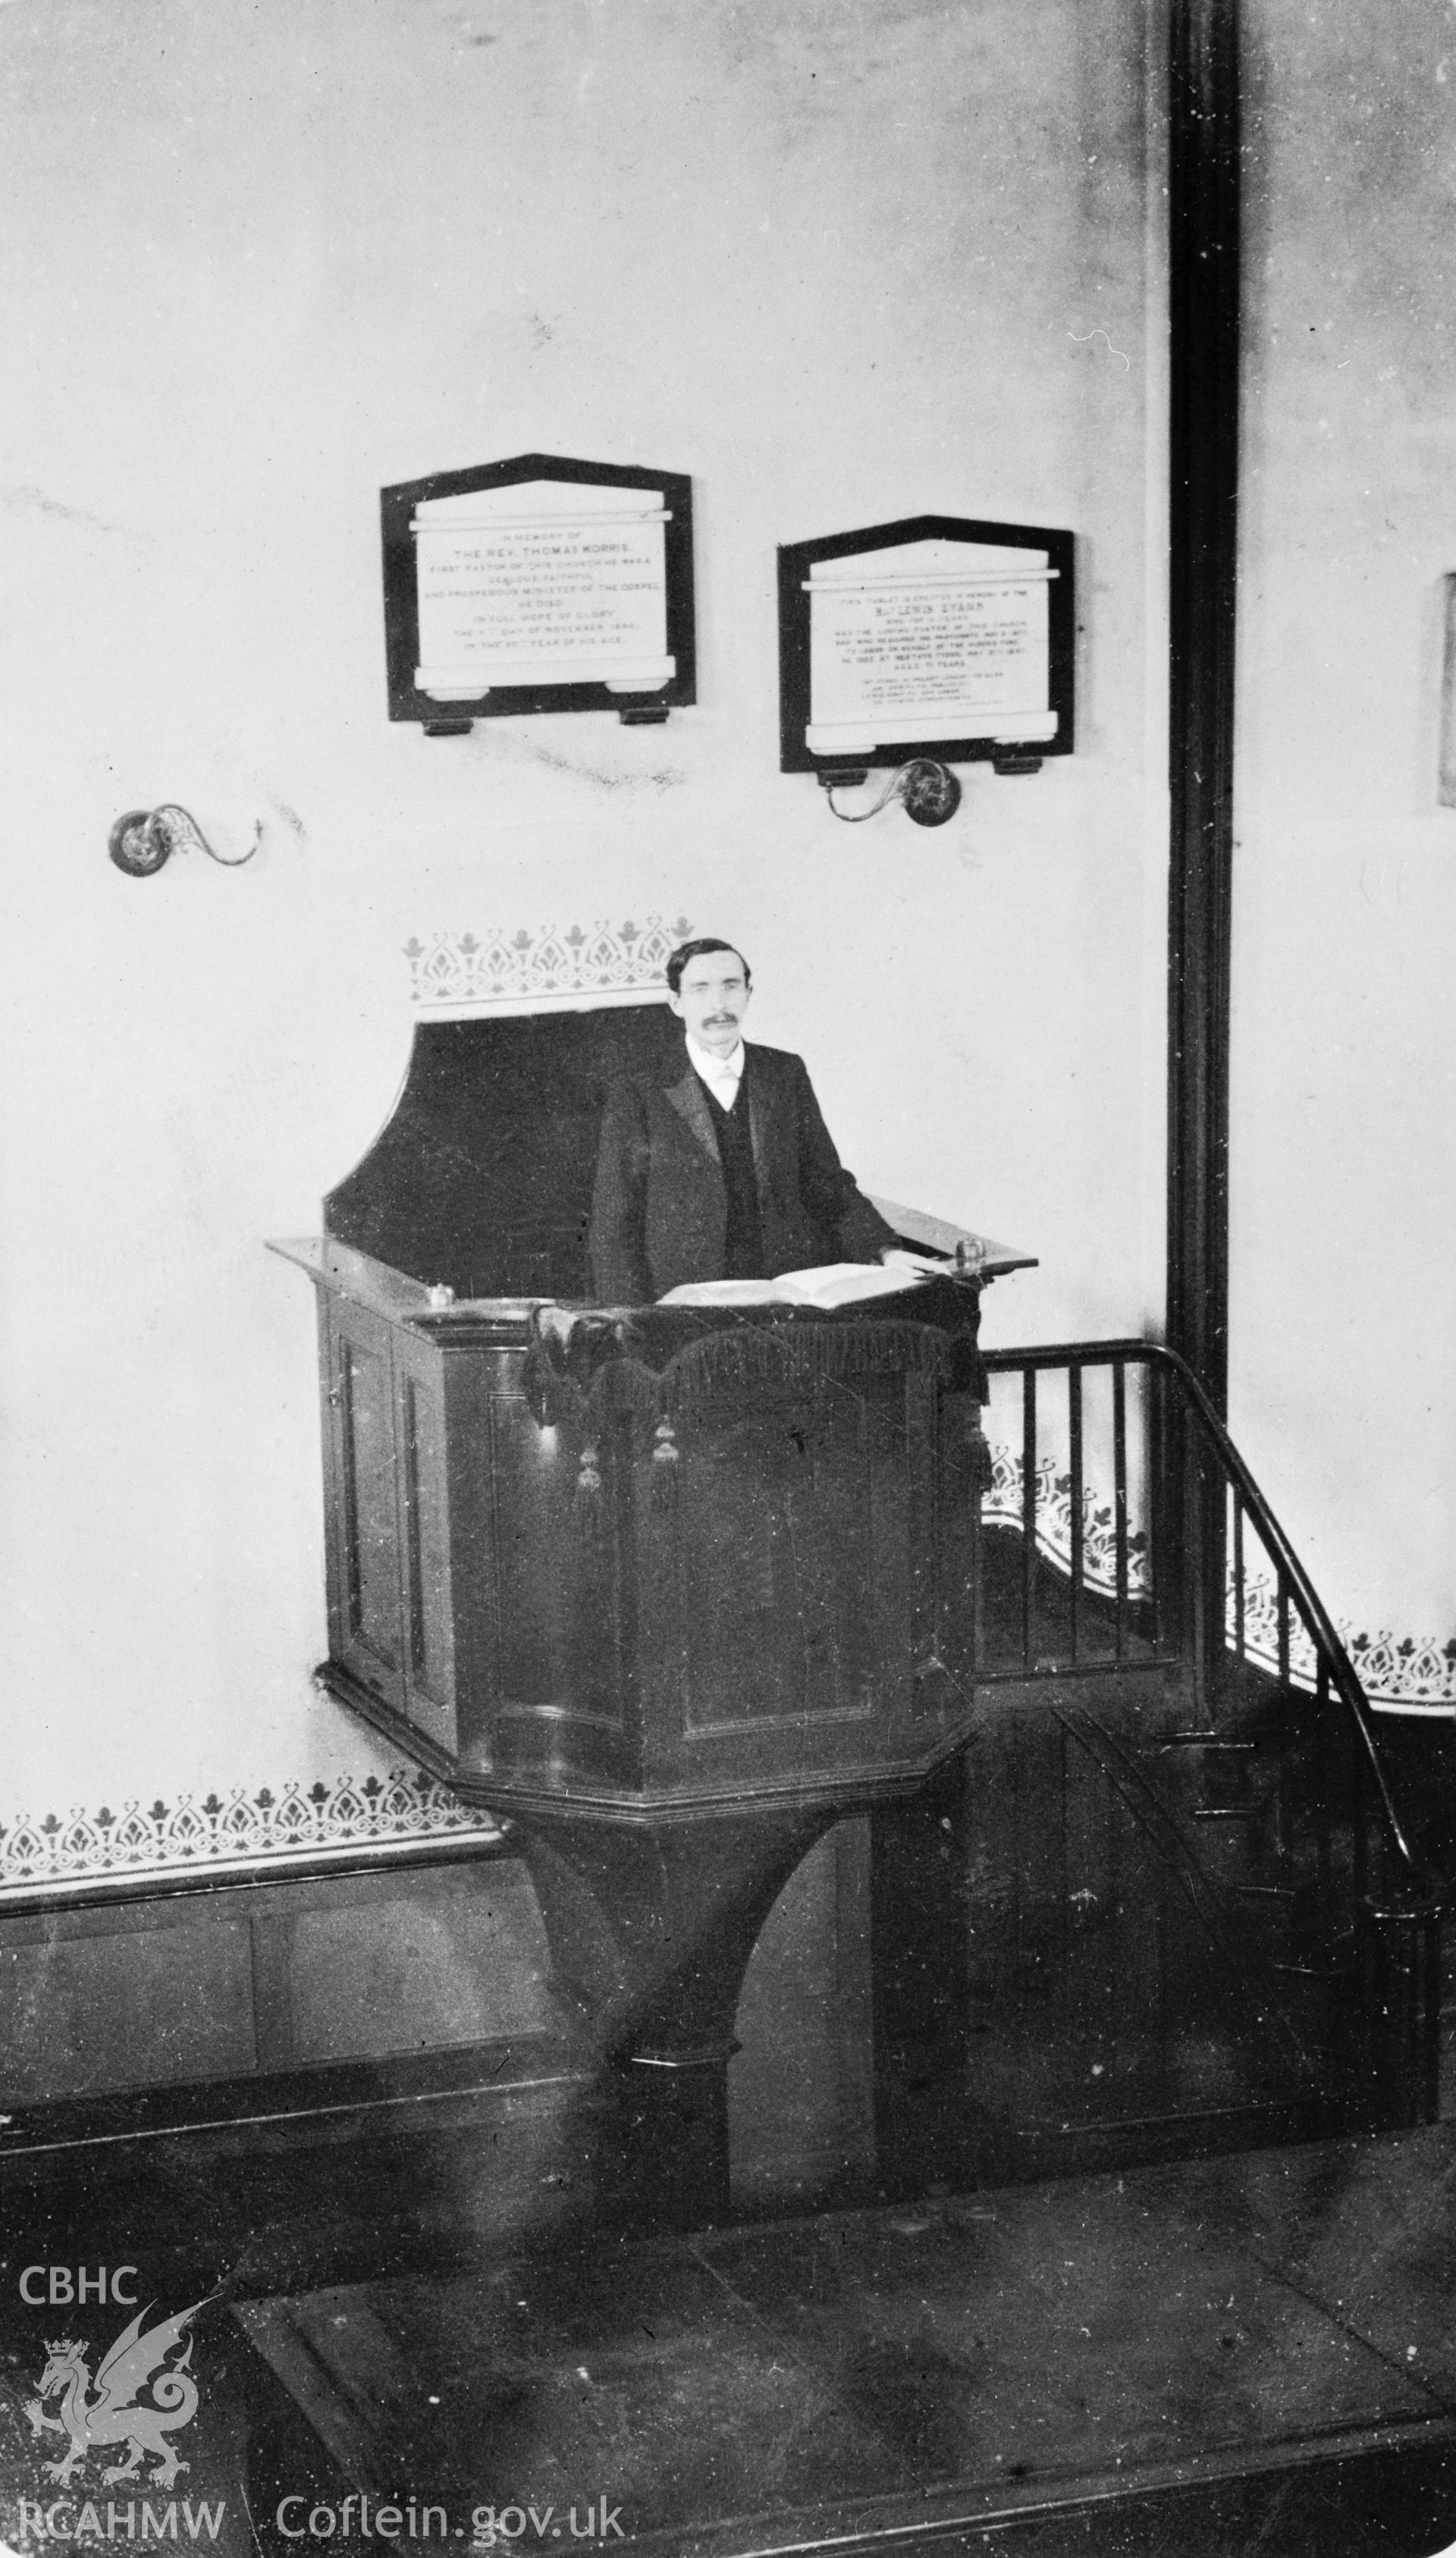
(717, 1071)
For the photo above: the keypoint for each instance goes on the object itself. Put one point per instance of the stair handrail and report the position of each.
(1318, 1622)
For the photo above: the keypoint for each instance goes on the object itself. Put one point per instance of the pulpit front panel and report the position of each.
(552, 1500)
(787, 1595)
(794, 1618)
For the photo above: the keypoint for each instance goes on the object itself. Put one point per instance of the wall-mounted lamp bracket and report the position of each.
(926, 790)
(144, 838)
(137, 844)
(1010, 765)
(929, 791)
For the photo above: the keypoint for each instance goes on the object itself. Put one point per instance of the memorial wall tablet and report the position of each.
(538, 584)
(936, 636)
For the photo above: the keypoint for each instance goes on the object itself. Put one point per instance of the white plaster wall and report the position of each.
(1344, 1129)
(841, 260)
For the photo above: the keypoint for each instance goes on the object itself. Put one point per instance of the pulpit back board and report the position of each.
(482, 1180)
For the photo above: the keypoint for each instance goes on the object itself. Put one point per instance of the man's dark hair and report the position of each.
(677, 959)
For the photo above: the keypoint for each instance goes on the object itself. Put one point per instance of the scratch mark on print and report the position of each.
(26, 501)
(1100, 332)
(662, 776)
(666, 777)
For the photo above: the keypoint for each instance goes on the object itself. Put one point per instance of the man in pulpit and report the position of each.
(723, 1167)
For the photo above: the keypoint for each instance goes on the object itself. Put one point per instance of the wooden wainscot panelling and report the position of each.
(271, 1978)
(102, 2000)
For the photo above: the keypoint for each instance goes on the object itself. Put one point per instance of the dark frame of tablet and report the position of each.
(513, 701)
(795, 562)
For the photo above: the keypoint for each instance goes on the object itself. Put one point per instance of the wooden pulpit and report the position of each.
(671, 1590)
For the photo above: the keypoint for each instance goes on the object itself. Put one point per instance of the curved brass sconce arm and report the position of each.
(141, 841)
(929, 791)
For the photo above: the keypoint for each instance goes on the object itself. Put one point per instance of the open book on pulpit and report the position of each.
(833, 1283)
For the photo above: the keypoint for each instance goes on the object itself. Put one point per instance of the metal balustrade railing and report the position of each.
(1124, 1531)
(1067, 1478)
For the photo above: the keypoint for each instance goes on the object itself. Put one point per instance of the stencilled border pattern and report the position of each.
(1396, 1670)
(1002, 1505)
(296, 1822)
(497, 967)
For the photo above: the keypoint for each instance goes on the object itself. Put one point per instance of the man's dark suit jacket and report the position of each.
(661, 1206)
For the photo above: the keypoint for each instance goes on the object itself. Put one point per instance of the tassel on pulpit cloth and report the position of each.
(666, 1457)
(586, 1499)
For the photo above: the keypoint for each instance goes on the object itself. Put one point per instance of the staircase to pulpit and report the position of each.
(1186, 1912)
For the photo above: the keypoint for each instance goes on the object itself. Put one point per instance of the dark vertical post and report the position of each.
(1120, 1505)
(1204, 201)
(1078, 1502)
(1203, 357)
(1028, 1516)
(1324, 1797)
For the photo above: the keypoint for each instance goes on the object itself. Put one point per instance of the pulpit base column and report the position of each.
(650, 1926)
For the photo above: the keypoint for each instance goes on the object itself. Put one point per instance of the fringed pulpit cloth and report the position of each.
(662, 1362)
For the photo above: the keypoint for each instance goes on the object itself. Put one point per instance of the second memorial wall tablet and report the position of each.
(936, 636)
